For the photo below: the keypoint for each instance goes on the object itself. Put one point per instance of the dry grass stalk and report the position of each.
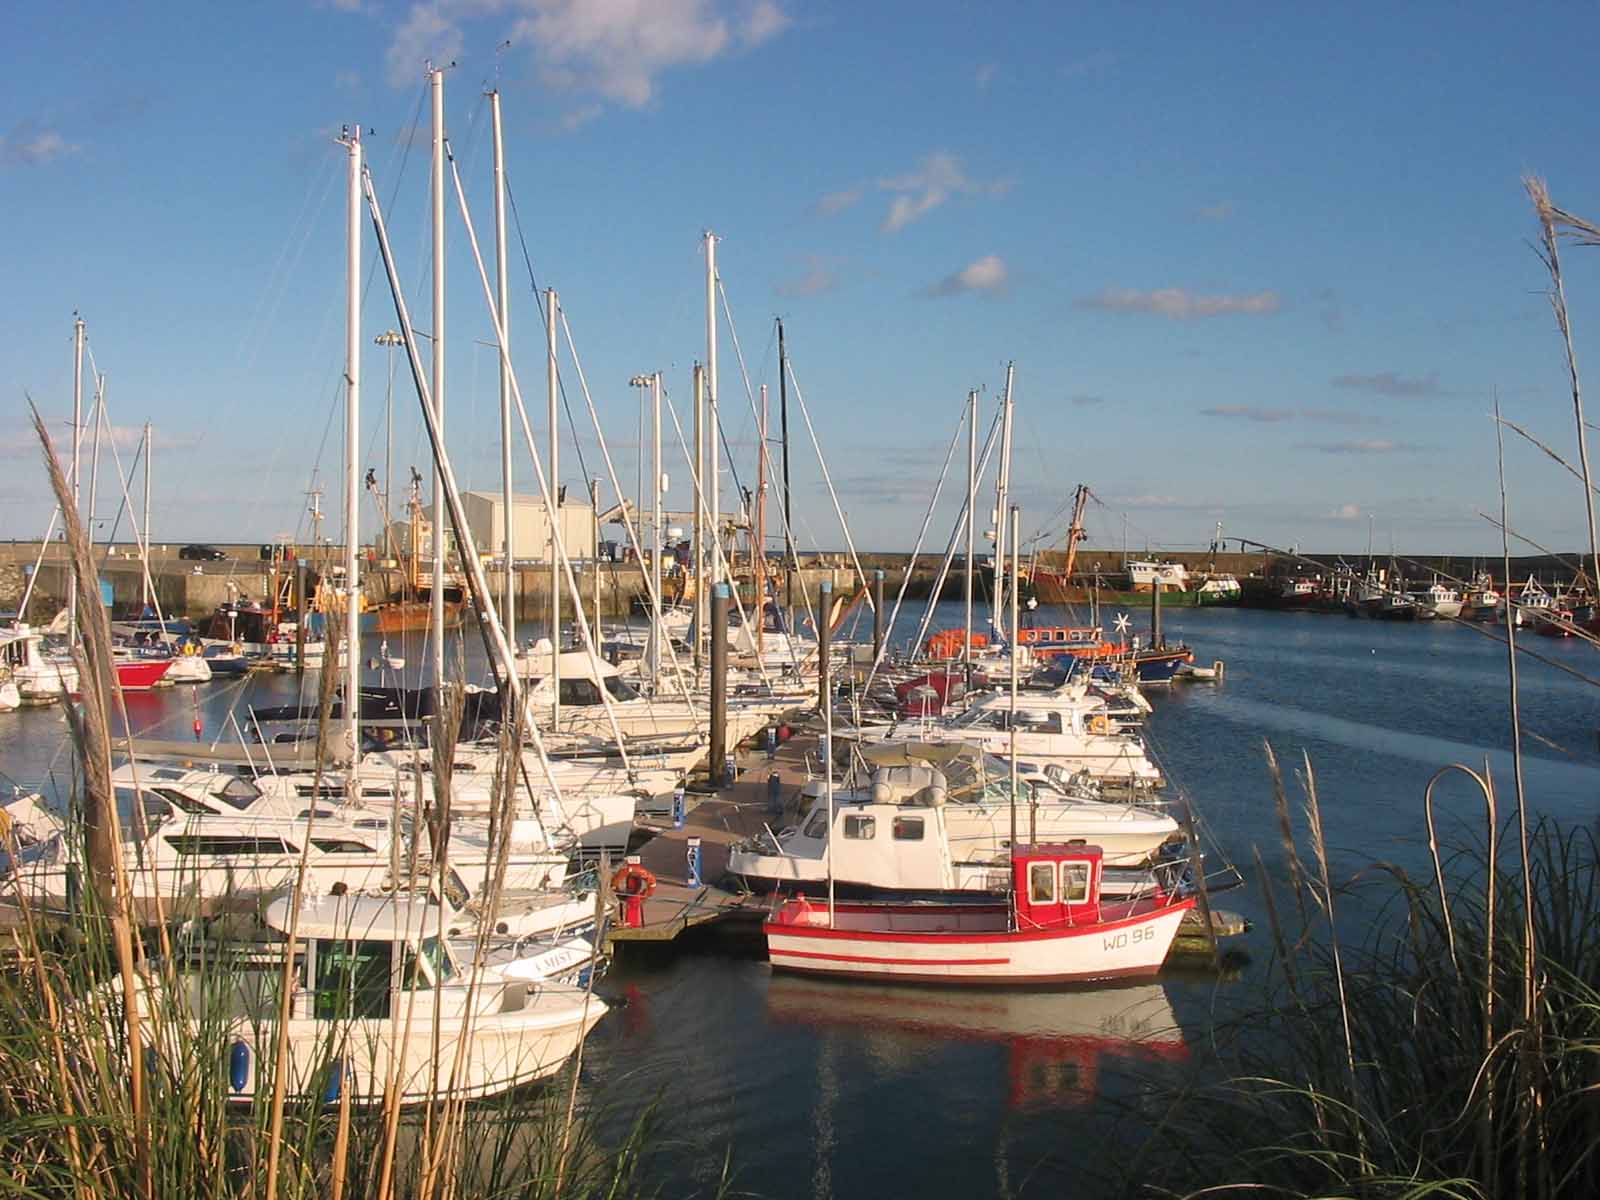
(1549, 254)
(1297, 872)
(280, 1058)
(92, 730)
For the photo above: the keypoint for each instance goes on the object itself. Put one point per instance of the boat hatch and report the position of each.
(1056, 885)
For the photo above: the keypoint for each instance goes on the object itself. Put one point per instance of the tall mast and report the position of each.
(788, 513)
(550, 303)
(508, 600)
(655, 531)
(144, 586)
(758, 548)
(1016, 648)
(352, 495)
(714, 429)
(436, 87)
(94, 457)
(972, 497)
(1002, 492)
(700, 591)
(77, 451)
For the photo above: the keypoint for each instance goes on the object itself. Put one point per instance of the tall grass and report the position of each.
(1422, 1059)
(114, 1054)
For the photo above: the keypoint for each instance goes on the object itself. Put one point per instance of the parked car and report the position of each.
(201, 553)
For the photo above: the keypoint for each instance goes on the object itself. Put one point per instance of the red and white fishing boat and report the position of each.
(1055, 928)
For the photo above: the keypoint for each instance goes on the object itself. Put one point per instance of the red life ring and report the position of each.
(633, 880)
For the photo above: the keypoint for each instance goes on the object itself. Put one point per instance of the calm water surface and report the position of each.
(821, 1089)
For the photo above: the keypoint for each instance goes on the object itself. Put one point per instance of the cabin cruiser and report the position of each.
(1071, 731)
(40, 677)
(371, 974)
(933, 818)
(204, 840)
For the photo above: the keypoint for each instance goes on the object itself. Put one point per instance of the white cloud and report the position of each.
(1366, 446)
(1389, 383)
(24, 443)
(984, 75)
(1180, 305)
(919, 192)
(987, 274)
(613, 49)
(1252, 412)
(1346, 512)
(1220, 211)
(835, 203)
(819, 277)
(26, 145)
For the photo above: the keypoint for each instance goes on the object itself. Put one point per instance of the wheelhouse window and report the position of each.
(861, 829)
(579, 691)
(434, 969)
(908, 829)
(1042, 883)
(352, 980)
(619, 688)
(817, 826)
(1075, 882)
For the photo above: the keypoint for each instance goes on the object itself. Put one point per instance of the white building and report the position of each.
(530, 530)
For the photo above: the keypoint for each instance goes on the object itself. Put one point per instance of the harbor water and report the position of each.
(804, 1088)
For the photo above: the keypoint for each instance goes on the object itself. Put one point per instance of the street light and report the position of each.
(388, 339)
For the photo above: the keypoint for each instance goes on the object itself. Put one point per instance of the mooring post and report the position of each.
(717, 758)
(877, 615)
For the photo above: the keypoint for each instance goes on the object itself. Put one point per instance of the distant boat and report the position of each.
(1482, 602)
(1437, 601)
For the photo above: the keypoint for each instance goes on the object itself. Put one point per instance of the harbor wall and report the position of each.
(195, 589)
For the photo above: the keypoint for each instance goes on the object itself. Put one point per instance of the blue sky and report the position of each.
(1257, 264)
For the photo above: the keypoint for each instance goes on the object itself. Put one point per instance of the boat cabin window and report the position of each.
(230, 847)
(862, 829)
(455, 890)
(1042, 883)
(425, 967)
(240, 793)
(1039, 722)
(908, 829)
(352, 980)
(185, 803)
(579, 691)
(817, 826)
(16, 653)
(619, 689)
(140, 814)
(1075, 882)
(340, 846)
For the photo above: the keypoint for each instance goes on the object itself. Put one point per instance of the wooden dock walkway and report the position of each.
(719, 820)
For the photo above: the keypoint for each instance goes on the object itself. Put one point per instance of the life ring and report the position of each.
(633, 880)
(1099, 724)
(189, 649)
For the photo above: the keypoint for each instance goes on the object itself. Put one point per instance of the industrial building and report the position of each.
(530, 526)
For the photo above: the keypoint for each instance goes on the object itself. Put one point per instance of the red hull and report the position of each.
(141, 676)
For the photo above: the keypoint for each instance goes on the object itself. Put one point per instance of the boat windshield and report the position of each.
(240, 793)
(619, 689)
(438, 967)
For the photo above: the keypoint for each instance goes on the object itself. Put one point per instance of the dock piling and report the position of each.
(824, 643)
(877, 615)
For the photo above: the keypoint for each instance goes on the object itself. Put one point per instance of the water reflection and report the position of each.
(1056, 1045)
